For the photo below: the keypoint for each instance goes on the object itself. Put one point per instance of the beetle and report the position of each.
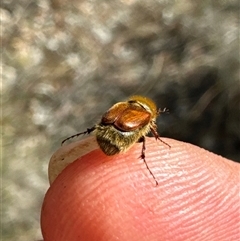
(124, 124)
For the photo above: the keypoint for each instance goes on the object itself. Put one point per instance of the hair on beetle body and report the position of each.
(124, 124)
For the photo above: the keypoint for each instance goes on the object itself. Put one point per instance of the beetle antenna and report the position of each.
(164, 110)
(88, 131)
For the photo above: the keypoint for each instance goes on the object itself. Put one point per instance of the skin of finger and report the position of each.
(98, 197)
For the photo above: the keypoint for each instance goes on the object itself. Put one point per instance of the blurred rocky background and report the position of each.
(66, 62)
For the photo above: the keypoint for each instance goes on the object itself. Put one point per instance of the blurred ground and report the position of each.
(66, 62)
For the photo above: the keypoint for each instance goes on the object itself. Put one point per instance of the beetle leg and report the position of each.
(142, 139)
(157, 137)
(88, 131)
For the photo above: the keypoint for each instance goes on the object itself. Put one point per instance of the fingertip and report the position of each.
(98, 197)
(93, 183)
